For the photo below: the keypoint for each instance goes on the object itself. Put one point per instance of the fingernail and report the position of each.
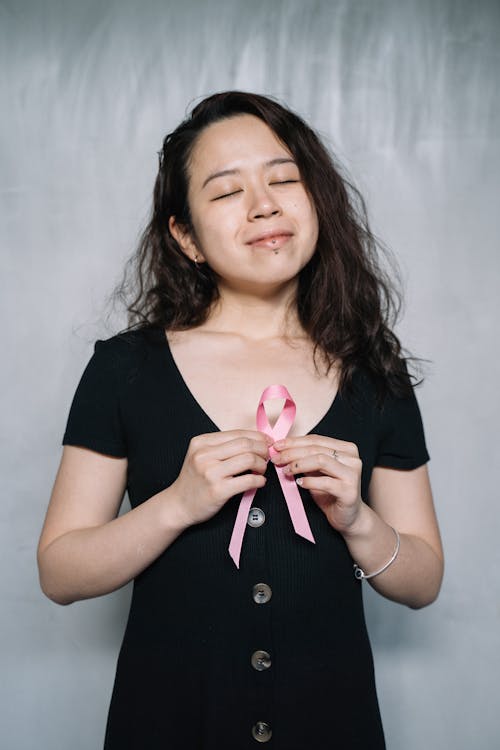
(279, 444)
(299, 480)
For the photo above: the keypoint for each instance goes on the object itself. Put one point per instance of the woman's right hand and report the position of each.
(212, 471)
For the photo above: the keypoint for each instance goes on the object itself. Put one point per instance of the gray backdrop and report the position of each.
(406, 94)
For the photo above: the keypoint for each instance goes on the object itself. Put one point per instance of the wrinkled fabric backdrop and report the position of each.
(406, 95)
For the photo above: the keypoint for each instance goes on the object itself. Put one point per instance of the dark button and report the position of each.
(256, 517)
(261, 593)
(261, 660)
(262, 732)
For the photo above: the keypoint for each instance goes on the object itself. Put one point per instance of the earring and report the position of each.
(196, 260)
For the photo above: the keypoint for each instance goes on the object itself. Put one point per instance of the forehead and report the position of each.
(237, 141)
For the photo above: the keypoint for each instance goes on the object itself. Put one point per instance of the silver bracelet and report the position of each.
(360, 574)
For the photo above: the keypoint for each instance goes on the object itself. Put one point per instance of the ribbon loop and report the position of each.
(293, 499)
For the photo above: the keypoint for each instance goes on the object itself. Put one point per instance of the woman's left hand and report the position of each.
(331, 472)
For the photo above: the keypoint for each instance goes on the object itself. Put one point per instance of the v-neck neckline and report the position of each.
(180, 377)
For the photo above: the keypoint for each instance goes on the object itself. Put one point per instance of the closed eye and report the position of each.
(234, 192)
(226, 195)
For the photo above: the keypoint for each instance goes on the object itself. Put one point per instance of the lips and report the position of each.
(273, 238)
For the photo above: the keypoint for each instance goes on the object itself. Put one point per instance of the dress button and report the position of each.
(261, 731)
(261, 593)
(261, 660)
(256, 517)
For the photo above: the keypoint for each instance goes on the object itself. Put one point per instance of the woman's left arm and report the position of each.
(401, 499)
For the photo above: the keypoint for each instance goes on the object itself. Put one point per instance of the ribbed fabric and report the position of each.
(184, 677)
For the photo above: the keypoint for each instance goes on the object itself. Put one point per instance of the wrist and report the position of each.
(363, 526)
(360, 573)
(173, 511)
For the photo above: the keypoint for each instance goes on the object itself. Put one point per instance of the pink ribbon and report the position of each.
(288, 485)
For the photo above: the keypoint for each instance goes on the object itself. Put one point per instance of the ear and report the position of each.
(185, 240)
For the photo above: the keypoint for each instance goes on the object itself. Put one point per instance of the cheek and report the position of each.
(309, 219)
(315, 225)
(213, 233)
(304, 208)
(313, 218)
(215, 228)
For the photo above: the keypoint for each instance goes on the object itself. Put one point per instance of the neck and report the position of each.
(256, 317)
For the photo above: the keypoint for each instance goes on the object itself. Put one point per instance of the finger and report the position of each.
(235, 465)
(240, 445)
(219, 438)
(328, 485)
(245, 482)
(254, 434)
(292, 454)
(320, 462)
(341, 446)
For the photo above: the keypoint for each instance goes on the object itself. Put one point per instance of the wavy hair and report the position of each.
(346, 302)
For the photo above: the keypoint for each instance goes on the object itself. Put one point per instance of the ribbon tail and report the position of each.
(240, 525)
(295, 505)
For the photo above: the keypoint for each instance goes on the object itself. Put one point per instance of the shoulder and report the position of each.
(383, 393)
(387, 410)
(396, 420)
(120, 359)
(130, 346)
(131, 340)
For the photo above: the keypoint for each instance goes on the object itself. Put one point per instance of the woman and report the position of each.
(255, 269)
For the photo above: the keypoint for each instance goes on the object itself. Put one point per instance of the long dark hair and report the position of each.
(345, 301)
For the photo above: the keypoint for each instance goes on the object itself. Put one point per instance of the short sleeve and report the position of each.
(401, 443)
(94, 419)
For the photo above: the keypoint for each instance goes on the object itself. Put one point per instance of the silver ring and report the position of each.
(334, 454)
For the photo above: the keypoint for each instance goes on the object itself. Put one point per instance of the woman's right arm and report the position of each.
(85, 550)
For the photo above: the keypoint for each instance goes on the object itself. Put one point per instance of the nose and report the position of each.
(263, 204)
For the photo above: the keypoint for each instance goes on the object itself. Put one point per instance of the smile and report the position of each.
(272, 241)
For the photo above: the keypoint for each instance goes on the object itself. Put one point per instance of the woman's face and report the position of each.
(254, 223)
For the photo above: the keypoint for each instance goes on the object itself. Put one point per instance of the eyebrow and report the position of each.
(267, 165)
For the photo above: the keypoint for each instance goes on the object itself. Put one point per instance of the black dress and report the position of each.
(213, 657)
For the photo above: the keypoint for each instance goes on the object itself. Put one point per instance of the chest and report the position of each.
(227, 378)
